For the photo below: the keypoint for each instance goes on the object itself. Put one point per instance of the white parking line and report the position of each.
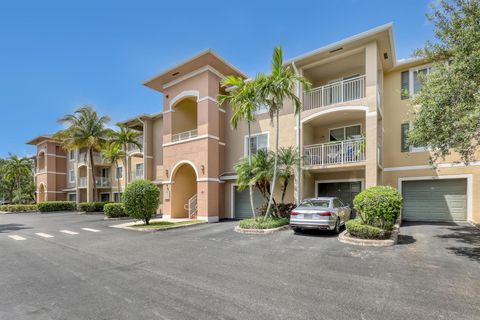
(90, 229)
(68, 232)
(15, 237)
(45, 235)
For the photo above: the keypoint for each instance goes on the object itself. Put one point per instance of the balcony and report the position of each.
(334, 93)
(41, 170)
(184, 135)
(82, 182)
(335, 153)
(102, 182)
(98, 158)
(136, 175)
(134, 148)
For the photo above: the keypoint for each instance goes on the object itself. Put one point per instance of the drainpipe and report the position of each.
(298, 132)
(144, 138)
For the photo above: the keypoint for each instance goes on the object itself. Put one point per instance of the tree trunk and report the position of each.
(272, 187)
(118, 180)
(127, 167)
(250, 187)
(92, 169)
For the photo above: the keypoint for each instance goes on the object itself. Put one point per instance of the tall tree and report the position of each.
(244, 101)
(125, 138)
(85, 129)
(447, 107)
(113, 154)
(17, 169)
(274, 90)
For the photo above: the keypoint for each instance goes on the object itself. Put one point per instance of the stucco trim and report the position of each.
(181, 96)
(428, 166)
(193, 74)
(204, 136)
(468, 177)
(334, 109)
(50, 172)
(177, 166)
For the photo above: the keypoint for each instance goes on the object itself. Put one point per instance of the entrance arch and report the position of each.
(184, 187)
(41, 193)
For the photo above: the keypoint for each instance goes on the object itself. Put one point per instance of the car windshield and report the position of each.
(316, 203)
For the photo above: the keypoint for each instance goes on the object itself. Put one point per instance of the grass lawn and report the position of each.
(166, 224)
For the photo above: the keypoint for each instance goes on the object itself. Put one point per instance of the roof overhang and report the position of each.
(137, 121)
(205, 58)
(41, 138)
(383, 35)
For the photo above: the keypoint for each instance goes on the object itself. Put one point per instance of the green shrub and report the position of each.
(261, 223)
(19, 208)
(92, 206)
(360, 230)
(114, 210)
(51, 206)
(141, 200)
(379, 206)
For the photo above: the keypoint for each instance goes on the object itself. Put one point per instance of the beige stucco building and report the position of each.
(351, 131)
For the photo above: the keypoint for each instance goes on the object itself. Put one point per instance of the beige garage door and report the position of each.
(435, 200)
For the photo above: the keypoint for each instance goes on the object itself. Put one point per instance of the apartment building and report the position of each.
(351, 131)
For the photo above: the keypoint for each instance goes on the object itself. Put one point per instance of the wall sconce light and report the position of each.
(202, 167)
(166, 173)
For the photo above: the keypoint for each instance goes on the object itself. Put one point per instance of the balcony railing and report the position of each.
(184, 135)
(98, 158)
(82, 182)
(102, 181)
(134, 148)
(334, 93)
(136, 175)
(333, 153)
(41, 170)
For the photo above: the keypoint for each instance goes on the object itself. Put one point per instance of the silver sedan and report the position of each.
(327, 213)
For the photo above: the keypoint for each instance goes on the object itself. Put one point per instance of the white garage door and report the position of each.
(435, 200)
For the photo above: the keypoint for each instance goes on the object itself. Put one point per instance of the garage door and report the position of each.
(345, 191)
(242, 203)
(435, 200)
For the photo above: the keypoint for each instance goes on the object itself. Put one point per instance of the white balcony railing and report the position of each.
(102, 181)
(333, 93)
(82, 182)
(339, 152)
(134, 148)
(136, 175)
(184, 135)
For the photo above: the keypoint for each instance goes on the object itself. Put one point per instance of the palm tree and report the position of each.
(274, 90)
(85, 129)
(17, 168)
(288, 159)
(113, 154)
(125, 138)
(244, 101)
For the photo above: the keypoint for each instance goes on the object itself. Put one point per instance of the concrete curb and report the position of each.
(12, 212)
(129, 226)
(260, 231)
(345, 237)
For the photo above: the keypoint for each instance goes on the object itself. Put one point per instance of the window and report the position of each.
(260, 110)
(71, 155)
(72, 197)
(405, 146)
(117, 197)
(139, 168)
(411, 81)
(346, 133)
(105, 172)
(404, 86)
(119, 173)
(105, 197)
(257, 142)
(71, 176)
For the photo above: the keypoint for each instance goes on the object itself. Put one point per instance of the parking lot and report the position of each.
(210, 272)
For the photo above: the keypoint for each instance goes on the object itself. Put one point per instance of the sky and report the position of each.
(57, 55)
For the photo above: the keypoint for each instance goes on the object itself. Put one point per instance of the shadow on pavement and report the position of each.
(404, 239)
(468, 240)
(315, 233)
(5, 228)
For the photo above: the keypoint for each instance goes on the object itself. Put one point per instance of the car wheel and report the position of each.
(337, 226)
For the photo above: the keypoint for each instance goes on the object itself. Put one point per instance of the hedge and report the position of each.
(379, 206)
(19, 208)
(50, 206)
(261, 223)
(114, 210)
(358, 229)
(141, 200)
(92, 206)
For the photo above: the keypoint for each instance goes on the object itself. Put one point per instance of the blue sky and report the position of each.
(56, 55)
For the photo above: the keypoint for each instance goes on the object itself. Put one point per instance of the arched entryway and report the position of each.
(184, 191)
(41, 193)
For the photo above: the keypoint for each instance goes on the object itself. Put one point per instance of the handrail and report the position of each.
(184, 135)
(338, 152)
